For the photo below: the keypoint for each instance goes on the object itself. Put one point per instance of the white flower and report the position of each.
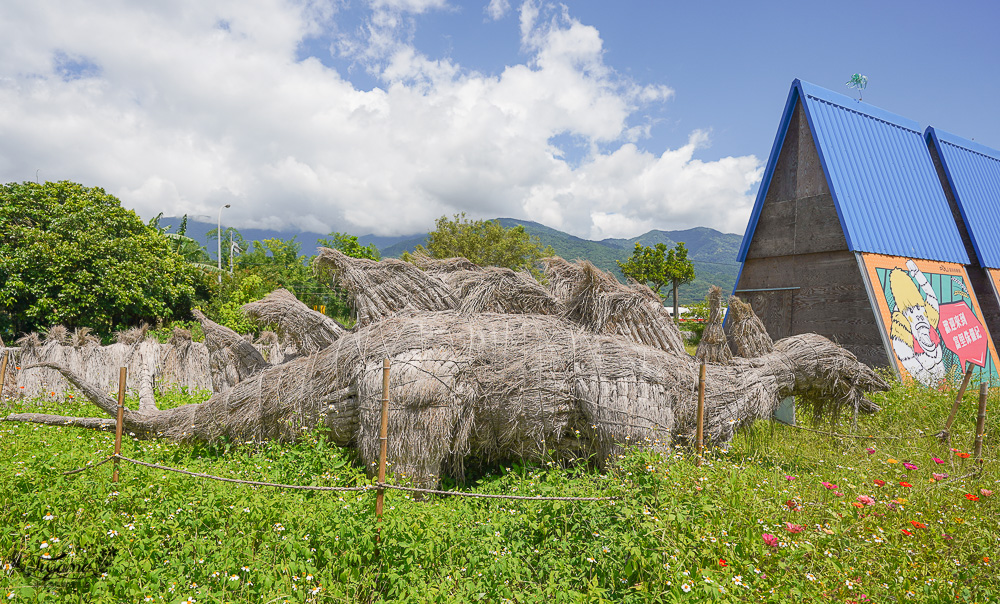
(686, 588)
(48, 517)
(44, 545)
(112, 533)
(234, 577)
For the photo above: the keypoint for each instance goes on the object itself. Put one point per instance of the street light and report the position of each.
(220, 241)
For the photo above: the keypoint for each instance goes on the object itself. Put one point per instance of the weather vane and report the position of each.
(860, 82)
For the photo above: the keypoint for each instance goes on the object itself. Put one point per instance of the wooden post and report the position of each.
(3, 373)
(700, 434)
(122, 374)
(383, 445)
(946, 435)
(980, 423)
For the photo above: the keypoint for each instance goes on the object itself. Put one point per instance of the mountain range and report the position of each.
(713, 253)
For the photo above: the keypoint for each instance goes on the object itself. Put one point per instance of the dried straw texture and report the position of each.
(82, 337)
(231, 358)
(379, 289)
(453, 272)
(167, 365)
(133, 335)
(57, 334)
(713, 347)
(10, 388)
(307, 330)
(599, 303)
(494, 386)
(747, 331)
(563, 277)
(501, 290)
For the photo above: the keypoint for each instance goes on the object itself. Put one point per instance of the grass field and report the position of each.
(785, 515)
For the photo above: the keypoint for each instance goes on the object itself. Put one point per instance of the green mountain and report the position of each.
(713, 253)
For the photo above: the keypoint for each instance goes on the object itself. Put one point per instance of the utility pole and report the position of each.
(220, 241)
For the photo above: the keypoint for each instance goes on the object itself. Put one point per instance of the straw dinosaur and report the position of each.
(487, 386)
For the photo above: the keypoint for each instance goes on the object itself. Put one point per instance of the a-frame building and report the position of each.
(970, 175)
(852, 237)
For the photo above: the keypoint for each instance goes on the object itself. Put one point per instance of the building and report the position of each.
(852, 236)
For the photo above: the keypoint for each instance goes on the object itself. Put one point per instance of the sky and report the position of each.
(601, 119)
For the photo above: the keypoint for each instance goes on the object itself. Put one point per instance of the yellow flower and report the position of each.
(891, 460)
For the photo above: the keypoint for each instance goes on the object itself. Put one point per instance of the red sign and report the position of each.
(963, 333)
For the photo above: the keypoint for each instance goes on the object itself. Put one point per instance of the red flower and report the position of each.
(971, 497)
(906, 532)
(879, 483)
(963, 455)
(905, 484)
(722, 562)
(918, 524)
(792, 505)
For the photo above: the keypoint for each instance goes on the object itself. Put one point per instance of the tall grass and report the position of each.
(755, 523)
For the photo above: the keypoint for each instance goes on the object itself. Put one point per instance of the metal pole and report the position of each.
(383, 445)
(122, 374)
(980, 423)
(946, 434)
(3, 373)
(700, 435)
(219, 241)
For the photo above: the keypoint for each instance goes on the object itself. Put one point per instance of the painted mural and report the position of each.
(932, 320)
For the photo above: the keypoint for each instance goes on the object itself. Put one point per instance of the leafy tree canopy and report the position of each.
(71, 254)
(657, 266)
(484, 242)
(349, 245)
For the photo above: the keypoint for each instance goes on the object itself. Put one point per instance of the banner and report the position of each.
(933, 324)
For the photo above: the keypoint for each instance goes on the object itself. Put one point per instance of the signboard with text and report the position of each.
(933, 324)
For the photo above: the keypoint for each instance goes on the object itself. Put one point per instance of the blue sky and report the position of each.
(604, 119)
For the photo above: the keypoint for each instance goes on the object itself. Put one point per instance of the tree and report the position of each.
(484, 242)
(349, 245)
(72, 255)
(657, 266)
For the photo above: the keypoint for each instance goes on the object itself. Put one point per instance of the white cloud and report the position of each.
(184, 106)
(497, 9)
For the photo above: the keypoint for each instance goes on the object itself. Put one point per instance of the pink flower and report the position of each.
(830, 486)
(838, 494)
(770, 540)
(793, 528)
(939, 476)
(870, 450)
(865, 499)
(909, 466)
(789, 477)
(985, 493)
(937, 460)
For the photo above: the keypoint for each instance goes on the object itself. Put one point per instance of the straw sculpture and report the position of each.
(453, 272)
(747, 331)
(713, 347)
(307, 330)
(495, 386)
(502, 290)
(231, 358)
(379, 289)
(599, 303)
(81, 336)
(57, 334)
(563, 276)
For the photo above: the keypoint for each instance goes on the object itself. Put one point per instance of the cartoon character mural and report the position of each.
(932, 319)
(913, 333)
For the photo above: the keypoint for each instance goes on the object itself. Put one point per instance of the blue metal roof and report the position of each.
(973, 173)
(881, 176)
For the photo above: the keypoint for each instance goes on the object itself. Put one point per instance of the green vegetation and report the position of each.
(484, 242)
(785, 515)
(71, 254)
(657, 266)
